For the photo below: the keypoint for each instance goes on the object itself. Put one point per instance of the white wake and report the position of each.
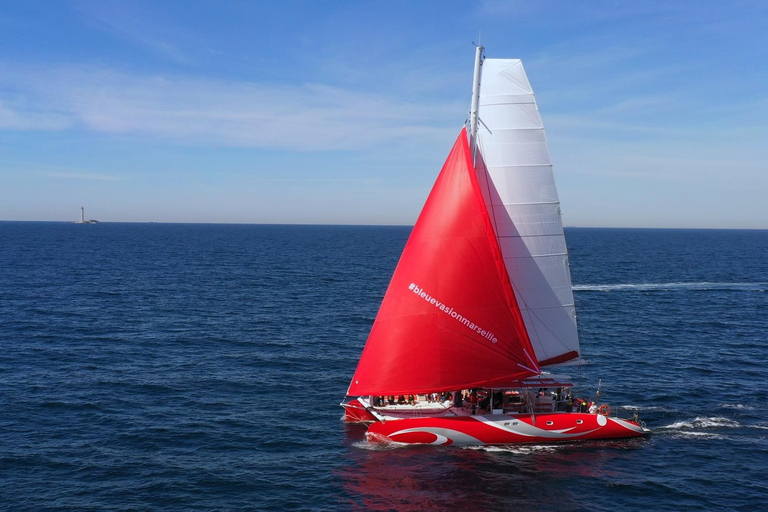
(703, 423)
(701, 286)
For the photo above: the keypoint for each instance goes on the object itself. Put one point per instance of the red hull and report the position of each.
(504, 429)
(355, 412)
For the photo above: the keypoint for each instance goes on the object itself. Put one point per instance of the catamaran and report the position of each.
(480, 310)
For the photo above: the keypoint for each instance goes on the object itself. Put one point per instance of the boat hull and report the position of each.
(356, 412)
(504, 429)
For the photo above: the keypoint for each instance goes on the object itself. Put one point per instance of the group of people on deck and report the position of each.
(473, 399)
(383, 401)
(481, 401)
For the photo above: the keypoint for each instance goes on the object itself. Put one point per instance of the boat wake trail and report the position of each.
(703, 423)
(644, 287)
(520, 450)
(736, 406)
(702, 428)
(647, 408)
(379, 447)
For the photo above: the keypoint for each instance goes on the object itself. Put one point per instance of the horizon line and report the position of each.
(365, 225)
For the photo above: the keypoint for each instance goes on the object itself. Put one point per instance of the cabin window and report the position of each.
(550, 423)
(579, 422)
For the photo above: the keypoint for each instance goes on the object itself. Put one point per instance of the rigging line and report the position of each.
(547, 328)
(533, 324)
(483, 123)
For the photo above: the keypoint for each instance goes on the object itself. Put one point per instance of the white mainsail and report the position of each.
(515, 172)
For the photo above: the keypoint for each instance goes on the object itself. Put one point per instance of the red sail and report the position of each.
(449, 319)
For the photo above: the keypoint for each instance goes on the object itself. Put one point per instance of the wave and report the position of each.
(640, 408)
(736, 406)
(701, 423)
(520, 450)
(382, 445)
(643, 287)
(699, 435)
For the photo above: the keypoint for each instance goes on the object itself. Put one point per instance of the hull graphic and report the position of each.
(504, 429)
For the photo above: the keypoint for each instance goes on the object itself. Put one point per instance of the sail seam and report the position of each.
(529, 236)
(536, 256)
(496, 103)
(525, 204)
(555, 307)
(519, 165)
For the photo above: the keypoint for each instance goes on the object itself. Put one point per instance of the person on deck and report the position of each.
(498, 400)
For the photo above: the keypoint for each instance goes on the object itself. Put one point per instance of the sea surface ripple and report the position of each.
(200, 367)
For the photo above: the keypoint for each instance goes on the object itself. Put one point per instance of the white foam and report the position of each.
(698, 435)
(642, 407)
(700, 423)
(380, 444)
(759, 286)
(736, 406)
(521, 449)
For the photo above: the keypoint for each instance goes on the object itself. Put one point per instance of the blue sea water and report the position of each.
(200, 367)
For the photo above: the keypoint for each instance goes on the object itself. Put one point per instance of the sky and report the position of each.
(342, 112)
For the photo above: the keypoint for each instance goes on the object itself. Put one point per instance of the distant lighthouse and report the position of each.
(82, 218)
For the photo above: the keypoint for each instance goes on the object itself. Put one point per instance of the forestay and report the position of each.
(515, 173)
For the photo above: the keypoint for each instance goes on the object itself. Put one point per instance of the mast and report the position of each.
(475, 101)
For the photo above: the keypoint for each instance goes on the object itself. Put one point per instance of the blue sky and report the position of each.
(343, 112)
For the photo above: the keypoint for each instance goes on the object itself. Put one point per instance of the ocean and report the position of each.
(200, 367)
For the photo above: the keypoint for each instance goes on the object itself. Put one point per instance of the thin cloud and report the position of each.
(305, 117)
(122, 20)
(23, 119)
(81, 176)
(317, 180)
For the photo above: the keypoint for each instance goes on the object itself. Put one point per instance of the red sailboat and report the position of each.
(481, 299)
